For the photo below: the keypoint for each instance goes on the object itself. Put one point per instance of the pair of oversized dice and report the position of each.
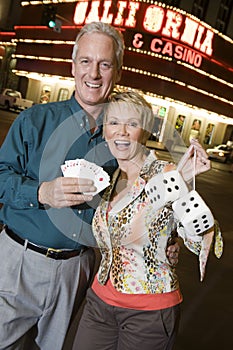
(188, 206)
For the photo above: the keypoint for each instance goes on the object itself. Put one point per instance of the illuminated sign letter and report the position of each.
(155, 45)
(131, 20)
(172, 25)
(178, 52)
(107, 18)
(198, 61)
(206, 46)
(137, 42)
(119, 18)
(80, 12)
(167, 50)
(189, 32)
(93, 15)
(153, 19)
(197, 44)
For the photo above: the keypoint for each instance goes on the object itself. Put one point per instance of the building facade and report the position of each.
(179, 53)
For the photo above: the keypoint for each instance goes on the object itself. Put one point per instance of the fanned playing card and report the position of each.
(87, 170)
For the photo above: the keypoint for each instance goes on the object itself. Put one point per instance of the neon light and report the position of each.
(107, 18)
(131, 20)
(190, 87)
(189, 32)
(177, 51)
(119, 20)
(153, 19)
(80, 12)
(137, 42)
(172, 26)
(193, 33)
(94, 12)
(206, 46)
(158, 19)
(43, 27)
(7, 33)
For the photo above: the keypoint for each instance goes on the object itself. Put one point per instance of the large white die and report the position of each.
(193, 213)
(164, 188)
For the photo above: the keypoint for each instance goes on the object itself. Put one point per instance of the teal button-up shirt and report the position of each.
(39, 141)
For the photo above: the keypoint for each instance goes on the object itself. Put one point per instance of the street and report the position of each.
(207, 309)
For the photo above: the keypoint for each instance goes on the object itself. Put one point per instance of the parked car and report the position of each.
(220, 152)
(13, 99)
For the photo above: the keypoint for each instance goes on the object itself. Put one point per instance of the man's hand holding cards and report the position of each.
(83, 169)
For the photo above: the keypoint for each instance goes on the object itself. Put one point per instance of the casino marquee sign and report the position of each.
(154, 29)
(168, 52)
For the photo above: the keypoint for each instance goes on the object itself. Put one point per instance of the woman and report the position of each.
(134, 300)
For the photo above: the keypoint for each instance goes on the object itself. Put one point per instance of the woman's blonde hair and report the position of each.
(138, 103)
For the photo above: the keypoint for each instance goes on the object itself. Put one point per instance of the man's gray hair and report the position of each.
(107, 29)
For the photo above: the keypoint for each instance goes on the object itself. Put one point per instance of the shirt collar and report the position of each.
(76, 107)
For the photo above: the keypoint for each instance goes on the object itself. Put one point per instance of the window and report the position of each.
(209, 134)
(199, 8)
(179, 124)
(160, 114)
(63, 94)
(223, 16)
(195, 129)
(45, 94)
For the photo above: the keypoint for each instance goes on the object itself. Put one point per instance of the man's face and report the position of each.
(95, 70)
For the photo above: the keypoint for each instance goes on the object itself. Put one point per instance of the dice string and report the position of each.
(194, 169)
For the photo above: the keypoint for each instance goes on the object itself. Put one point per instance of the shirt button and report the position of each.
(80, 212)
(31, 205)
(74, 235)
(81, 124)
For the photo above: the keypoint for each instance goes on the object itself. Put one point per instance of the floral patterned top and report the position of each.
(133, 238)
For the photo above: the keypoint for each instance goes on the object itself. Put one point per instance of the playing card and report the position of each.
(87, 170)
(69, 169)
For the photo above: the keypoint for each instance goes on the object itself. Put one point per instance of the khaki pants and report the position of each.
(38, 293)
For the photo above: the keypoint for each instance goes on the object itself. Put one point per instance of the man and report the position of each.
(45, 264)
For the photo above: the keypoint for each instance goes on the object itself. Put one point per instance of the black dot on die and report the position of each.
(191, 198)
(177, 187)
(183, 204)
(196, 205)
(187, 210)
(172, 179)
(169, 189)
(165, 181)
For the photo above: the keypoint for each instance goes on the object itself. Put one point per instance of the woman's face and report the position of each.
(123, 131)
